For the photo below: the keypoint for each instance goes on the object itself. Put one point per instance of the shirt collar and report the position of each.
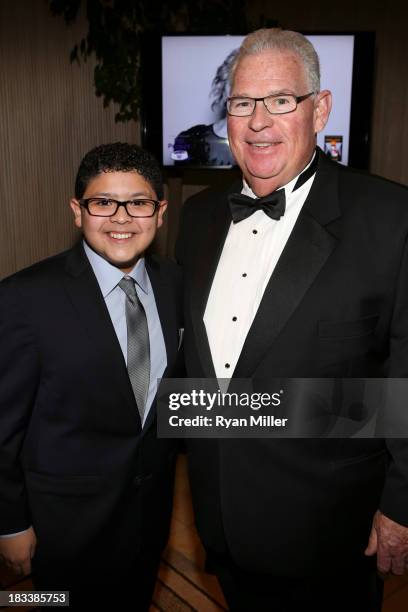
(108, 276)
(246, 190)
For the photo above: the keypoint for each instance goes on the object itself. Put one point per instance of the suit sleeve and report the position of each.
(394, 502)
(19, 376)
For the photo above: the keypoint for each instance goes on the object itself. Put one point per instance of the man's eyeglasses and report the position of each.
(107, 207)
(278, 104)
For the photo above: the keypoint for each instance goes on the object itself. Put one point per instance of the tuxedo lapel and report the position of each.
(306, 252)
(213, 243)
(85, 294)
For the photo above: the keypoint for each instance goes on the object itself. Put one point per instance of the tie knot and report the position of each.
(127, 285)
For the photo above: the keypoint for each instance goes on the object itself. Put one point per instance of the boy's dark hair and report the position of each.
(118, 157)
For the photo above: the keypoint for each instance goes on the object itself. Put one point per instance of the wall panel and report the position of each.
(49, 117)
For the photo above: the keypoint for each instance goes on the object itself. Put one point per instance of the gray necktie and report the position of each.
(138, 347)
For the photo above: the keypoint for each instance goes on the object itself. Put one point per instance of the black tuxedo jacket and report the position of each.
(74, 460)
(336, 305)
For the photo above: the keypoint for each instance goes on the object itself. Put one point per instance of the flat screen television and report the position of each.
(184, 77)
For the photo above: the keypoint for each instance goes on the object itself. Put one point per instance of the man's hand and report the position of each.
(17, 551)
(390, 541)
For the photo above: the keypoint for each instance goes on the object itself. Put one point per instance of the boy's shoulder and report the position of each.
(166, 272)
(43, 271)
(164, 265)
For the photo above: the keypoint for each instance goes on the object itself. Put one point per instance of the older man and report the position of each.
(310, 282)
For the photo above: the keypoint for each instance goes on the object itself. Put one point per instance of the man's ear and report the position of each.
(76, 209)
(322, 109)
(162, 210)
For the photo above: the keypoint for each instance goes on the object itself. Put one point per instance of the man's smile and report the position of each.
(264, 144)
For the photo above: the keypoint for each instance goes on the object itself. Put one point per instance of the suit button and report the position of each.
(138, 480)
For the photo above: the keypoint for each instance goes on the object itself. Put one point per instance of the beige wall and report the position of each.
(49, 115)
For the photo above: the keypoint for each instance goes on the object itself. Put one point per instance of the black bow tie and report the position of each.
(273, 205)
(243, 206)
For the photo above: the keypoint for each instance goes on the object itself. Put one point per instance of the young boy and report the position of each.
(85, 485)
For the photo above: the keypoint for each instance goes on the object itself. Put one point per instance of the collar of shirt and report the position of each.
(108, 276)
(246, 190)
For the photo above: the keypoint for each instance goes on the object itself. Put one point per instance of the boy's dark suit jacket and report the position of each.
(335, 306)
(74, 461)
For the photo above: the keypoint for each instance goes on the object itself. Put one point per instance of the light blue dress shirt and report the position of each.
(108, 277)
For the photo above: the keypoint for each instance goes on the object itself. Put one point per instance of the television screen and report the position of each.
(194, 88)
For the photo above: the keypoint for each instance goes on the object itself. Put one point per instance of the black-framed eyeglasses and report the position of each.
(107, 207)
(278, 104)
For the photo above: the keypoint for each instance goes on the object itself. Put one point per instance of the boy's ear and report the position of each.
(76, 209)
(162, 210)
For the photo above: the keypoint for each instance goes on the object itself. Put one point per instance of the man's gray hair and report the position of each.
(275, 39)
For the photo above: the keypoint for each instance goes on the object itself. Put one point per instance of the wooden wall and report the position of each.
(49, 115)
